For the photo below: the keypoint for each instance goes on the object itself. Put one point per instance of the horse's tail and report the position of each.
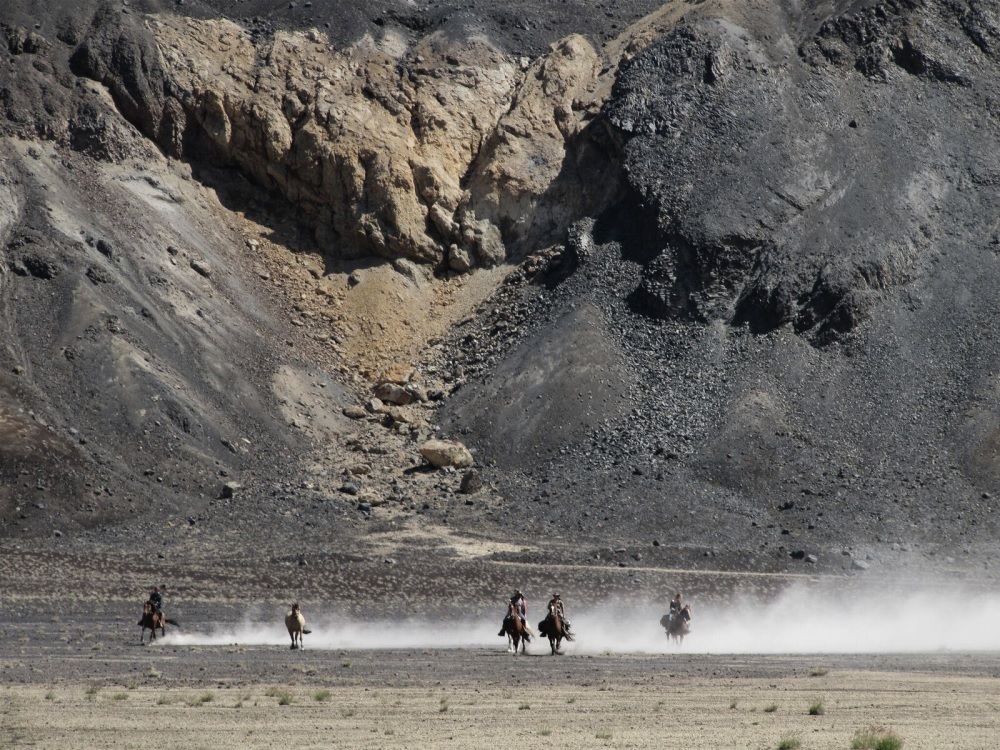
(172, 622)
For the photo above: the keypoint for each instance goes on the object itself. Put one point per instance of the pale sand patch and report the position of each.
(422, 534)
(926, 711)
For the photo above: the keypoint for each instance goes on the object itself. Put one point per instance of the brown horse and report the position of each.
(679, 626)
(296, 625)
(553, 628)
(151, 620)
(516, 630)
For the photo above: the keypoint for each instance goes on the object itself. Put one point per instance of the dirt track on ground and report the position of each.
(84, 684)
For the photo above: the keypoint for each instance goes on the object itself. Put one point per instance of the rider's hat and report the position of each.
(555, 595)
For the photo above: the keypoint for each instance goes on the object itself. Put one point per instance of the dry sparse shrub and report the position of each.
(876, 738)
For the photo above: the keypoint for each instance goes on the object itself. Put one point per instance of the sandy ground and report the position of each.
(90, 685)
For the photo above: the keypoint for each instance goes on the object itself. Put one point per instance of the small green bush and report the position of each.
(876, 738)
(816, 709)
(322, 695)
(771, 709)
(789, 743)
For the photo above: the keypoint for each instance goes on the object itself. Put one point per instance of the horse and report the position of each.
(296, 625)
(553, 628)
(151, 620)
(679, 626)
(516, 630)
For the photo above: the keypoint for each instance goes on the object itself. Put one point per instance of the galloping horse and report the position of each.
(296, 625)
(679, 627)
(151, 620)
(552, 627)
(517, 631)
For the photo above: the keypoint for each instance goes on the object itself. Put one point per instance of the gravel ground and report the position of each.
(81, 682)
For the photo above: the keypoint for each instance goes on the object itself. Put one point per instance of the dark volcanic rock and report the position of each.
(798, 311)
(779, 339)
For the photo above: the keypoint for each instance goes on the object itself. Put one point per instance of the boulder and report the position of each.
(398, 373)
(229, 490)
(442, 453)
(201, 267)
(393, 393)
(417, 392)
(355, 412)
(458, 259)
(472, 482)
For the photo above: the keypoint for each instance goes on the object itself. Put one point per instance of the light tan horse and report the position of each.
(296, 625)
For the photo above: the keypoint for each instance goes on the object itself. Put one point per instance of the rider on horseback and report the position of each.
(556, 605)
(676, 605)
(156, 598)
(520, 607)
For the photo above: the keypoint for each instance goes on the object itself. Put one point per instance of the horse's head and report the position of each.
(147, 608)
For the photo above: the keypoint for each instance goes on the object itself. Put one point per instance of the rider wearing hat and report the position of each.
(556, 604)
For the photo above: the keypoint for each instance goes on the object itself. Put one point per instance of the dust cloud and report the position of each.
(799, 621)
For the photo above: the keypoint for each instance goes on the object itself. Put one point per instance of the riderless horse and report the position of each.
(151, 620)
(516, 629)
(296, 625)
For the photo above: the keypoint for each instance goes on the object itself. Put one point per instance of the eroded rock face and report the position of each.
(389, 149)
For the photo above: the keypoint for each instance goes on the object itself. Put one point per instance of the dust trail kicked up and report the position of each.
(800, 621)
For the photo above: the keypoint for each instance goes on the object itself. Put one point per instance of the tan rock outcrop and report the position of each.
(373, 151)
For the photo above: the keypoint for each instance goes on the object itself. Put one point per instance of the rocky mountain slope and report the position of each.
(700, 284)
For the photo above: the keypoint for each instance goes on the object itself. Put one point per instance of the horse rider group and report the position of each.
(521, 609)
